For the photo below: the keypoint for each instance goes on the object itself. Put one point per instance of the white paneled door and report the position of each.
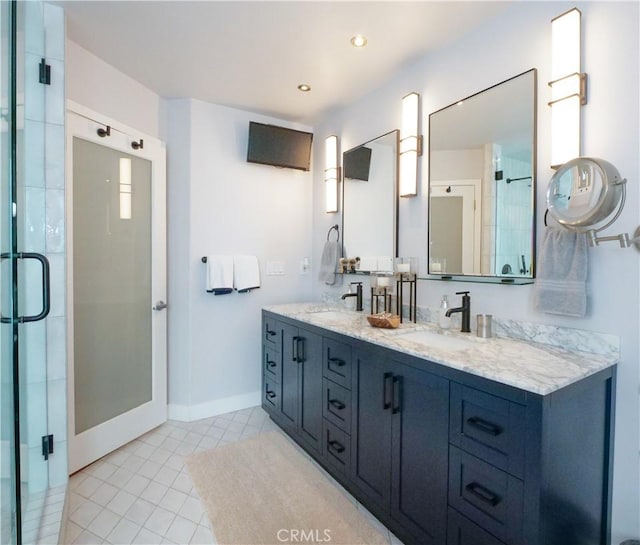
(117, 306)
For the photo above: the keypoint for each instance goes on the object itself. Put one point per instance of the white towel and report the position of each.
(246, 273)
(562, 273)
(329, 262)
(219, 274)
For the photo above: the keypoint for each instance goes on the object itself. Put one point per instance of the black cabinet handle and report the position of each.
(336, 446)
(483, 494)
(294, 348)
(269, 332)
(338, 361)
(337, 404)
(397, 395)
(271, 363)
(271, 394)
(484, 425)
(387, 393)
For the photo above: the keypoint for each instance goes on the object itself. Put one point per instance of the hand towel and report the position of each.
(561, 286)
(219, 274)
(246, 273)
(329, 262)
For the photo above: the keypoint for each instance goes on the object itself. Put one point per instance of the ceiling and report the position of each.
(253, 55)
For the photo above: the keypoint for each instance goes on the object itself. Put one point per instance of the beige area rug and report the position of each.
(263, 491)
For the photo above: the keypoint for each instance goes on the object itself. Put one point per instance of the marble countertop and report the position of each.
(534, 367)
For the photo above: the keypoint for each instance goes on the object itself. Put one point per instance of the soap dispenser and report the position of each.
(443, 319)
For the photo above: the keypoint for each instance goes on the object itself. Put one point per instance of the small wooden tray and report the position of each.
(384, 319)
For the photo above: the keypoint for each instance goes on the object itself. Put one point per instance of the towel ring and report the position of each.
(337, 228)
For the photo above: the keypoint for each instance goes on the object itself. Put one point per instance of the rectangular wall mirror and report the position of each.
(482, 171)
(370, 202)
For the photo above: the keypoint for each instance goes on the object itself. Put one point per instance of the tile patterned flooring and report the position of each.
(142, 493)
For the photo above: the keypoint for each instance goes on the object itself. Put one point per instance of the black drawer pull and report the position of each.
(271, 363)
(483, 494)
(270, 333)
(337, 361)
(271, 394)
(337, 404)
(485, 426)
(336, 446)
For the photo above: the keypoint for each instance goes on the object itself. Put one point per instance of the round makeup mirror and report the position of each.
(584, 192)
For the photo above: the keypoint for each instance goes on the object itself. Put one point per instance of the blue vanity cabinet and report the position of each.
(400, 451)
(439, 455)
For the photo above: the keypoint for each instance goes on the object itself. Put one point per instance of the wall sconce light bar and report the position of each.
(331, 174)
(568, 87)
(410, 145)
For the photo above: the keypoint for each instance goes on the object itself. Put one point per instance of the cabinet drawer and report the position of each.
(271, 363)
(336, 404)
(461, 531)
(271, 395)
(272, 332)
(337, 362)
(336, 448)
(489, 427)
(486, 495)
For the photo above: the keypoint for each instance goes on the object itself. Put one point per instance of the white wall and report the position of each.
(99, 86)
(220, 204)
(517, 40)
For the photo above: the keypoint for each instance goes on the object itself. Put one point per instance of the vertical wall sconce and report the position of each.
(410, 145)
(331, 174)
(568, 87)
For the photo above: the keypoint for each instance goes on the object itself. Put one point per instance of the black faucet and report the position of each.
(465, 309)
(357, 295)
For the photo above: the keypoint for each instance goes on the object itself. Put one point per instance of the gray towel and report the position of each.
(562, 273)
(329, 262)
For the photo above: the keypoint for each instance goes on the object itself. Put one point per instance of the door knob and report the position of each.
(160, 305)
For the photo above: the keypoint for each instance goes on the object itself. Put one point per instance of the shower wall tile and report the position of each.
(37, 470)
(32, 347)
(57, 264)
(56, 348)
(34, 107)
(54, 96)
(54, 32)
(36, 406)
(58, 470)
(55, 156)
(33, 25)
(33, 239)
(34, 146)
(55, 220)
(57, 408)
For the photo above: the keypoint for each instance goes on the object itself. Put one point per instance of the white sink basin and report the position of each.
(438, 340)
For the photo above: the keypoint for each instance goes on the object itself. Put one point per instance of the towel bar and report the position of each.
(337, 228)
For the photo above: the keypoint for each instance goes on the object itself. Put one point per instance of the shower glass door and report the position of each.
(8, 474)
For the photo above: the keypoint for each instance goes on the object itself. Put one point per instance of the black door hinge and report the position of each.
(45, 72)
(47, 446)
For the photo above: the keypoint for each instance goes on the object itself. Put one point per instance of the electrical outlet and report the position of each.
(305, 265)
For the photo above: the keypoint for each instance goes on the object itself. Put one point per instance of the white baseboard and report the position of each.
(189, 413)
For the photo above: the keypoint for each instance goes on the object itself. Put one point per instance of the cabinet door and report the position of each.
(290, 365)
(310, 383)
(371, 427)
(420, 431)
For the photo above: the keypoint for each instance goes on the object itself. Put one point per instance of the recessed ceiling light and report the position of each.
(358, 41)
(304, 87)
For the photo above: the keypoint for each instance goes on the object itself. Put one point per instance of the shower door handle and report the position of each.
(160, 305)
(46, 285)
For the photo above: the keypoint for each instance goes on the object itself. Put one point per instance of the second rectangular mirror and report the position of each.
(370, 202)
(482, 183)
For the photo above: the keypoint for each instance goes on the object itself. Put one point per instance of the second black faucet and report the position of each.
(465, 310)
